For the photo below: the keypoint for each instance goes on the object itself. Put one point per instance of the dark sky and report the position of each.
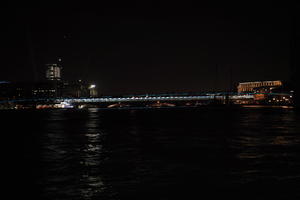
(147, 46)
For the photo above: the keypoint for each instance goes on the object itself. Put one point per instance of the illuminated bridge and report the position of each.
(155, 98)
(135, 98)
(203, 98)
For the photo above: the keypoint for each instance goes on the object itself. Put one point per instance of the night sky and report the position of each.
(147, 46)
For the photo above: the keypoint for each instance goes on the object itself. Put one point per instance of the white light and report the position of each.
(92, 86)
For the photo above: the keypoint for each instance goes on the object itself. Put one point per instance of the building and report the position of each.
(266, 86)
(53, 72)
(93, 90)
(77, 89)
(268, 92)
(4, 89)
(47, 89)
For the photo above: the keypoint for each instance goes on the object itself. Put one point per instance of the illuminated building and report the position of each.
(251, 86)
(268, 92)
(44, 89)
(77, 89)
(93, 91)
(53, 72)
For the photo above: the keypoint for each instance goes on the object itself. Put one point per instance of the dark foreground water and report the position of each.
(248, 153)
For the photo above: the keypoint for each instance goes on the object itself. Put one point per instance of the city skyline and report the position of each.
(150, 48)
(150, 99)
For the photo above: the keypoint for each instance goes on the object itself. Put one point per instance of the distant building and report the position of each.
(46, 89)
(253, 86)
(4, 89)
(18, 90)
(77, 89)
(93, 90)
(53, 72)
(268, 92)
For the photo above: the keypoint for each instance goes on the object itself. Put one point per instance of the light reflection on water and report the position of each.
(161, 154)
(72, 156)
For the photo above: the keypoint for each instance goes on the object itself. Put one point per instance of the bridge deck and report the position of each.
(210, 96)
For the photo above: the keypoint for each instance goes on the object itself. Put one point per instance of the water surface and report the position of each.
(152, 154)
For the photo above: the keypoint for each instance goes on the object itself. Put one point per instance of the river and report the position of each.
(71, 154)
